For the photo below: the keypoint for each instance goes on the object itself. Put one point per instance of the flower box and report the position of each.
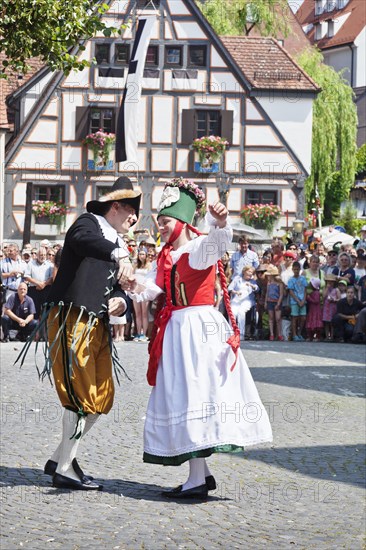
(93, 165)
(49, 217)
(44, 228)
(207, 168)
(100, 146)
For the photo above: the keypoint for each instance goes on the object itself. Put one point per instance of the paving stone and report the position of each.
(304, 491)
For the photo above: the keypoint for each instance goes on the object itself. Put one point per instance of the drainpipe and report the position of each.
(2, 182)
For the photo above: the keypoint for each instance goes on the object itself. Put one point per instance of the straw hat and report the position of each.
(271, 270)
(330, 277)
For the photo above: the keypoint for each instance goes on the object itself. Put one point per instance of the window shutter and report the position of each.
(227, 118)
(188, 126)
(81, 123)
(114, 116)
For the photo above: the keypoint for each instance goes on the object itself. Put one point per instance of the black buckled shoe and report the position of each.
(211, 483)
(51, 466)
(195, 493)
(63, 482)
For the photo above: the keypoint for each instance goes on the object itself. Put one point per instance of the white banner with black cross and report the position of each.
(127, 124)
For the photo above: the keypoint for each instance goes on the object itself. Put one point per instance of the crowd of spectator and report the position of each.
(295, 292)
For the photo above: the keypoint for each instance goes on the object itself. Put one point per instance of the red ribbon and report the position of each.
(165, 264)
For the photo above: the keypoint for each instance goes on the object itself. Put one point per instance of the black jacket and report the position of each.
(87, 275)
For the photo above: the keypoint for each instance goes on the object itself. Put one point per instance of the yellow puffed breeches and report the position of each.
(81, 361)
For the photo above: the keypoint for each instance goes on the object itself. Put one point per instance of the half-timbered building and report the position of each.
(248, 90)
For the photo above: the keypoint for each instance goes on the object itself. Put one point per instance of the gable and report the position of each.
(167, 92)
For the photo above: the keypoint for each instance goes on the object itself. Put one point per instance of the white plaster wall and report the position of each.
(177, 7)
(234, 200)
(234, 106)
(360, 43)
(258, 162)
(340, 59)
(225, 82)
(185, 30)
(19, 194)
(34, 94)
(261, 136)
(182, 160)
(44, 131)
(71, 157)
(162, 123)
(69, 104)
(252, 112)
(294, 120)
(216, 59)
(32, 157)
(232, 161)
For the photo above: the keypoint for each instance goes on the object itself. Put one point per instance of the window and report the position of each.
(318, 7)
(318, 31)
(101, 191)
(122, 54)
(152, 56)
(199, 123)
(102, 52)
(260, 197)
(208, 123)
(197, 56)
(174, 55)
(91, 119)
(49, 193)
(330, 31)
(101, 119)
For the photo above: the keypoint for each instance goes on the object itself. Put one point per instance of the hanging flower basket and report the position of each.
(261, 216)
(209, 150)
(101, 145)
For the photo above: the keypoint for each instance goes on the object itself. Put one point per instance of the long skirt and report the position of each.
(199, 406)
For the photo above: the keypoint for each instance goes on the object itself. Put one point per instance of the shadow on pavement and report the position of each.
(29, 480)
(344, 381)
(336, 463)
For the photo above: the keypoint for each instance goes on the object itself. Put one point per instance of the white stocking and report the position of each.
(89, 423)
(71, 422)
(196, 473)
(207, 471)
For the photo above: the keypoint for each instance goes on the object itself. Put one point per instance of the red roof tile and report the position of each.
(10, 85)
(266, 65)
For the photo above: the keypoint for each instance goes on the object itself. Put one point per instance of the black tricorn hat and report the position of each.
(122, 191)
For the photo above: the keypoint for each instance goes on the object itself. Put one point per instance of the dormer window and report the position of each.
(318, 7)
(330, 30)
(318, 31)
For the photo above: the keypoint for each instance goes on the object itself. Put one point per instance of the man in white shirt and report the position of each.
(243, 257)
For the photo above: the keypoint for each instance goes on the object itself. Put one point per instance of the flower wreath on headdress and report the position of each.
(191, 187)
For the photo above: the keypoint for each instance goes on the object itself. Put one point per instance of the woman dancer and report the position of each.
(195, 366)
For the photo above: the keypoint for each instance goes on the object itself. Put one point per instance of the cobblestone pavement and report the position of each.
(305, 491)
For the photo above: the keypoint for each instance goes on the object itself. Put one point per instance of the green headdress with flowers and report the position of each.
(180, 200)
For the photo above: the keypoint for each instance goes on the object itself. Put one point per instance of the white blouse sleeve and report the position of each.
(208, 250)
(152, 290)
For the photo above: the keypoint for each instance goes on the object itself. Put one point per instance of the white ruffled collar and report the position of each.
(110, 233)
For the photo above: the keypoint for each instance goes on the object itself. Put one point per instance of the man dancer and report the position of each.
(84, 293)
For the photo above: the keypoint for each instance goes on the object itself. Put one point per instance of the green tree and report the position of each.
(361, 160)
(48, 29)
(334, 134)
(236, 17)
